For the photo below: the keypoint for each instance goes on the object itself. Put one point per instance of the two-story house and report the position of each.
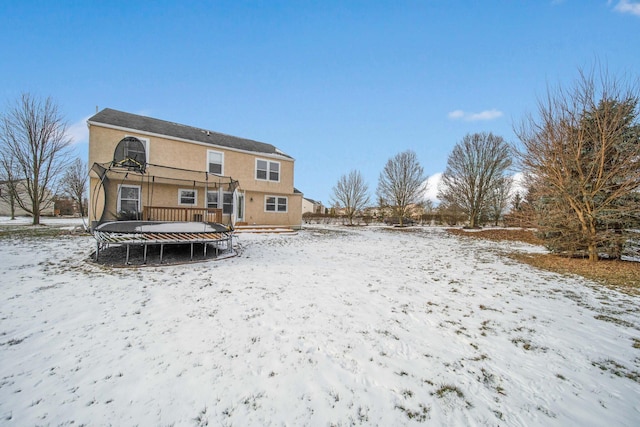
(155, 170)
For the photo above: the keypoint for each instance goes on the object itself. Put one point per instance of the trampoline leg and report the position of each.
(192, 251)
(127, 260)
(161, 250)
(97, 250)
(144, 258)
(205, 250)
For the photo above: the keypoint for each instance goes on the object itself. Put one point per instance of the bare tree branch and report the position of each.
(475, 168)
(401, 183)
(582, 152)
(74, 184)
(351, 192)
(33, 134)
(9, 182)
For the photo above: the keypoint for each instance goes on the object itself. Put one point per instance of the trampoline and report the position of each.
(123, 211)
(144, 233)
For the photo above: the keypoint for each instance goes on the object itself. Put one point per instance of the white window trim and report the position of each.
(195, 200)
(118, 202)
(217, 192)
(269, 162)
(207, 160)
(221, 202)
(276, 209)
(145, 142)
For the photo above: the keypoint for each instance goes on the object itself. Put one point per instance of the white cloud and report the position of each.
(626, 6)
(432, 187)
(434, 180)
(473, 117)
(457, 114)
(519, 186)
(78, 131)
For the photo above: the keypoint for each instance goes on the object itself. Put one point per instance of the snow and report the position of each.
(329, 326)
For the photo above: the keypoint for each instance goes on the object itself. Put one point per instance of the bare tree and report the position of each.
(401, 184)
(583, 152)
(498, 198)
(74, 183)
(475, 168)
(351, 192)
(33, 133)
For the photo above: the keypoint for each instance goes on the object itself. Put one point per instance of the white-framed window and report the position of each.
(128, 199)
(212, 199)
(132, 154)
(267, 170)
(275, 204)
(215, 162)
(227, 203)
(188, 197)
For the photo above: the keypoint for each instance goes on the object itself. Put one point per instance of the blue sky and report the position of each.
(338, 85)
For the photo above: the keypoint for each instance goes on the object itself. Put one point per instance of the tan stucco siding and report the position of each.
(240, 166)
(256, 213)
(192, 156)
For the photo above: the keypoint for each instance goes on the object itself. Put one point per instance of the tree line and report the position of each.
(580, 157)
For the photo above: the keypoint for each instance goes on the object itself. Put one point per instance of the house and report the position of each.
(312, 206)
(20, 191)
(151, 169)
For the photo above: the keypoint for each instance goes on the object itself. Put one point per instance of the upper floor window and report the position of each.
(215, 162)
(132, 152)
(267, 170)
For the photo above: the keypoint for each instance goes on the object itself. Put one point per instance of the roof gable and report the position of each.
(176, 130)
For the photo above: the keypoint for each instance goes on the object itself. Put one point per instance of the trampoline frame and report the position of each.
(128, 233)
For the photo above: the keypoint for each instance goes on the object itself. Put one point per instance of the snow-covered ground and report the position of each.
(332, 326)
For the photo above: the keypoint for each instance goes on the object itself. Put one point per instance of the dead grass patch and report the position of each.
(623, 276)
(499, 234)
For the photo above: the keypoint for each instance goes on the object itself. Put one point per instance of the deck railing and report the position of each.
(162, 213)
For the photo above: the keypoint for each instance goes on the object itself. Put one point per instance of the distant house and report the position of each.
(151, 169)
(21, 192)
(312, 206)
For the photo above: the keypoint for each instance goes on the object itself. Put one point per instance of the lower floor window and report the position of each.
(227, 203)
(275, 204)
(213, 201)
(129, 199)
(187, 197)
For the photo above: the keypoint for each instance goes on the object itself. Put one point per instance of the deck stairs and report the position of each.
(263, 229)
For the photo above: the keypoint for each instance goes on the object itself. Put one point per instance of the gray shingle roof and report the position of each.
(176, 130)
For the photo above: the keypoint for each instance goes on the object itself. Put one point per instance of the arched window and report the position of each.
(130, 153)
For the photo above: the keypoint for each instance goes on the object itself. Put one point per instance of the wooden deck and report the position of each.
(163, 213)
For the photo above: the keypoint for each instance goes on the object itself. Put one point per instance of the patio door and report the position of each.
(238, 206)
